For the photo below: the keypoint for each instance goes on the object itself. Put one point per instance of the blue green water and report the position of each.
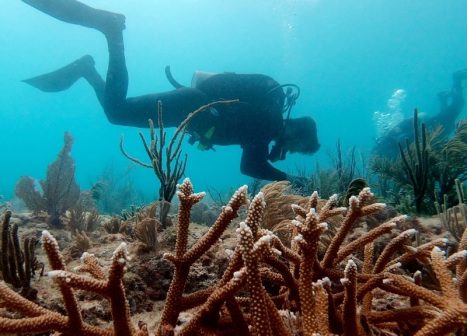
(348, 57)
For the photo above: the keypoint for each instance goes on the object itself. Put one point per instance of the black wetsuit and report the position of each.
(252, 123)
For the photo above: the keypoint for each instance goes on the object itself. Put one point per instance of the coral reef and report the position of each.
(426, 170)
(366, 282)
(60, 191)
(39, 319)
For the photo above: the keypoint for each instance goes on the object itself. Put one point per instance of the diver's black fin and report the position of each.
(62, 78)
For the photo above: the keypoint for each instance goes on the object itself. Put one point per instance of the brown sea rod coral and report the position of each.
(17, 266)
(269, 288)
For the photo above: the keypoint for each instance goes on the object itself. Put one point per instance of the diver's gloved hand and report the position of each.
(298, 182)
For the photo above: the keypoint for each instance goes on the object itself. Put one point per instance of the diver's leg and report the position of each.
(111, 96)
(66, 76)
(75, 12)
(176, 105)
(116, 86)
(98, 84)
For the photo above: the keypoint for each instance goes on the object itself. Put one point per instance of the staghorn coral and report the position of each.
(184, 257)
(277, 214)
(268, 288)
(38, 319)
(258, 247)
(444, 313)
(59, 190)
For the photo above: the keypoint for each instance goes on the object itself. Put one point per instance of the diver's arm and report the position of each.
(255, 163)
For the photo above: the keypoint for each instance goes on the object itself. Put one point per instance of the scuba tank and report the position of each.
(199, 77)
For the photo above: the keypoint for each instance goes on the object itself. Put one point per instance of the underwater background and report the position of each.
(348, 57)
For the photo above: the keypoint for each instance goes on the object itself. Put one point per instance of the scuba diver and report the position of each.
(261, 116)
(451, 104)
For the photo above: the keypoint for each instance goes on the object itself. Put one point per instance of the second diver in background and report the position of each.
(451, 105)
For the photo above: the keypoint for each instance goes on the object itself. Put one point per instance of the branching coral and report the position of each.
(270, 288)
(184, 257)
(444, 313)
(38, 319)
(261, 258)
